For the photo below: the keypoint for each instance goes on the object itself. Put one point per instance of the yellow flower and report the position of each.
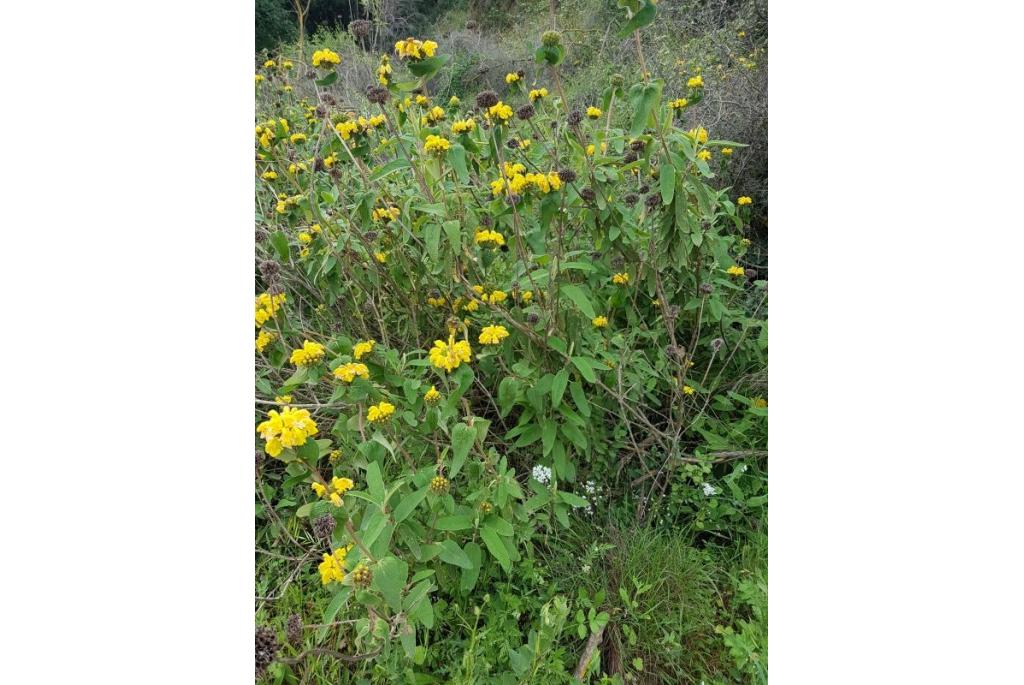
(760, 403)
(593, 112)
(500, 111)
(347, 129)
(305, 238)
(287, 64)
(437, 144)
(727, 151)
(448, 356)
(348, 372)
(381, 257)
(315, 228)
(422, 100)
(741, 34)
(334, 456)
(527, 296)
(496, 297)
(410, 48)
(332, 568)
(621, 278)
(260, 78)
(363, 348)
(269, 175)
(538, 94)
(304, 252)
(432, 395)
(319, 488)
(687, 390)
(735, 271)
(488, 238)
(454, 101)
(698, 134)
(298, 138)
(679, 103)
(704, 155)
(264, 339)
(493, 335)
(386, 214)
(269, 64)
(464, 126)
(289, 428)
(309, 353)
(283, 399)
(695, 82)
(511, 77)
(266, 306)
(599, 321)
(380, 412)
(325, 58)
(743, 201)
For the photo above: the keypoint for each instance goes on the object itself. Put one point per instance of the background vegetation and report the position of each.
(587, 530)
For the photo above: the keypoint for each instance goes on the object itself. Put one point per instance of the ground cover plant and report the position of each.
(511, 418)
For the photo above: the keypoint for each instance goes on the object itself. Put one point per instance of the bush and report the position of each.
(477, 320)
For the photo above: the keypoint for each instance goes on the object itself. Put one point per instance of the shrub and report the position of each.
(472, 323)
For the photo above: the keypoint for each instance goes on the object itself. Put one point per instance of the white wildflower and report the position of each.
(542, 474)
(709, 489)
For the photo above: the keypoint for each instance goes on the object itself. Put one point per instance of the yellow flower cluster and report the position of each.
(384, 70)
(518, 182)
(325, 58)
(363, 348)
(487, 238)
(727, 151)
(266, 306)
(695, 82)
(380, 412)
(679, 103)
(298, 138)
(704, 155)
(688, 390)
(332, 568)
(433, 115)
(335, 491)
(449, 355)
(500, 111)
(350, 371)
(493, 335)
(621, 278)
(410, 48)
(593, 112)
(591, 149)
(699, 134)
(386, 214)
(309, 353)
(289, 428)
(735, 271)
(436, 144)
(269, 175)
(432, 395)
(264, 339)
(600, 321)
(744, 200)
(464, 126)
(285, 202)
(512, 77)
(538, 94)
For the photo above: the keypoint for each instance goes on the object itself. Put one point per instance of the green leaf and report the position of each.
(374, 527)
(390, 168)
(668, 181)
(585, 369)
(641, 19)
(409, 504)
(455, 522)
(374, 482)
(580, 398)
(508, 391)
(453, 554)
(451, 229)
(328, 80)
(280, 242)
(425, 68)
(457, 156)
(644, 100)
(572, 500)
(470, 575)
(303, 511)
(340, 597)
(432, 236)
(547, 433)
(389, 578)
(576, 294)
(462, 440)
(499, 526)
(496, 548)
(558, 387)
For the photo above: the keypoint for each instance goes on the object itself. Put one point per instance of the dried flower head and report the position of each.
(266, 649)
(295, 630)
(588, 194)
(377, 95)
(716, 344)
(567, 175)
(526, 112)
(631, 199)
(706, 288)
(575, 117)
(360, 28)
(323, 526)
(550, 38)
(486, 99)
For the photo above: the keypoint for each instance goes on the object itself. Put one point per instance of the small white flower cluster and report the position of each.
(709, 489)
(542, 474)
(591, 489)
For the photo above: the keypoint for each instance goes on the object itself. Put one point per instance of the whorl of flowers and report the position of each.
(334, 491)
(266, 306)
(413, 49)
(350, 371)
(500, 111)
(380, 412)
(363, 348)
(464, 126)
(432, 395)
(448, 355)
(486, 238)
(309, 353)
(437, 144)
(538, 94)
(493, 335)
(289, 428)
(332, 568)
(325, 58)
